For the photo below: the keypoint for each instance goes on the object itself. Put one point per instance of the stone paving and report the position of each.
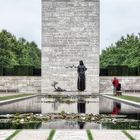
(134, 134)
(70, 135)
(32, 135)
(108, 135)
(66, 134)
(5, 134)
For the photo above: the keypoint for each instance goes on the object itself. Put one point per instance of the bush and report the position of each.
(1, 70)
(36, 72)
(138, 70)
(132, 71)
(117, 70)
(23, 70)
(103, 72)
(8, 71)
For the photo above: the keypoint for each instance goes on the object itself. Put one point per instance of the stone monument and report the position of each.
(70, 33)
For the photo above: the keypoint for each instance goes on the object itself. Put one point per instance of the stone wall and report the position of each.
(70, 32)
(127, 82)
(33, 84)
(25, 84)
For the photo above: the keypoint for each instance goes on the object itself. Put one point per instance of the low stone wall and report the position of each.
(127, 82)
(32, 84)
(24, 84)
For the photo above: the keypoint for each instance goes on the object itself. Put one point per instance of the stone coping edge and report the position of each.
(123, 100)
(16, 99)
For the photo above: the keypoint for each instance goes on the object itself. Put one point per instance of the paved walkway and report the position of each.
(5, 134)
(108, 135)
(42, 134)
(134, 134)
(32, 135)
(70, 135)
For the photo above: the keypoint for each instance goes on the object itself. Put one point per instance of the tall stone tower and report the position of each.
(70, 32)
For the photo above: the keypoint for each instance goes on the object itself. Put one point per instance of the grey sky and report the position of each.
(23, 18)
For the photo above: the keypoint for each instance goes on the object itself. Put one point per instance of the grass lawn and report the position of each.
(130, 98)
(13, 96)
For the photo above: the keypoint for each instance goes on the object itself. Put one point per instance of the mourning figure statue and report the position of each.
(81, 84)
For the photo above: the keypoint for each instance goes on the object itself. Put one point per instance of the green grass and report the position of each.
(13, 135)
(130, 98)
(51, 135)
(89, 135)
(13, 96)
(128, 135)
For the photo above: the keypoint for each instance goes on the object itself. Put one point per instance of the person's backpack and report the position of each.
(119, 87)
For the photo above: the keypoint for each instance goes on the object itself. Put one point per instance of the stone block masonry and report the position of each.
(70, 32)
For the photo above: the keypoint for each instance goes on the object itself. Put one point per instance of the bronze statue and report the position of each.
(81, 83)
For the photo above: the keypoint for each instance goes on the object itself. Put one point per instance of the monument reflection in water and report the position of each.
(70, 105)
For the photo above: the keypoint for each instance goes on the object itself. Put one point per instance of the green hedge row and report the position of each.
(120, 71)
(20, 71)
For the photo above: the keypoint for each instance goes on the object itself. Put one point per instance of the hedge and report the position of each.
(1, 70)
(117, 70)
(23, 70)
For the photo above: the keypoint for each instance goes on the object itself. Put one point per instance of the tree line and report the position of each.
(18, 51)
(125, 51)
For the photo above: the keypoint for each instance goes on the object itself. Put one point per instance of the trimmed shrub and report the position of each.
(117, 70)
(36, 72)
(138, 70)
(103, 72)
(132, 71)
(23, 70)
(8, 71)
(1, 70)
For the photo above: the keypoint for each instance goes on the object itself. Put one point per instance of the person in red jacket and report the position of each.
(115, 83)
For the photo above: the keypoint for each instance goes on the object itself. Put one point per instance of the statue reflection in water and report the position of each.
(81, 83)
(81, 107)
(116, 108)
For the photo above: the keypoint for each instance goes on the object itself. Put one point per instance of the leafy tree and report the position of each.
(125, 51)
(15, 51)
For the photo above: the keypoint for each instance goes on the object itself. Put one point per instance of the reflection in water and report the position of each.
(116, 108)
(81, 107)
(107, 105)
(70, 105)
(81, 125)
(22, 106)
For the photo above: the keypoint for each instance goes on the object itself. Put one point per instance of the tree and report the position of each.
(15, 51)
(125, 51)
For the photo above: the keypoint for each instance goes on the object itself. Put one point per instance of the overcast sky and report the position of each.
(117, 18)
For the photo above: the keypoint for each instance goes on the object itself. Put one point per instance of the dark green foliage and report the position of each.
(103, 72)
(15, 51)
(1, 70)
(117, 70)
(8, 71)
(36, 72)
(23, 70)
(138, 70)
(126, 52)
(133, 71)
